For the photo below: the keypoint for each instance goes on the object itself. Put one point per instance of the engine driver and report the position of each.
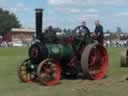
(98, 32)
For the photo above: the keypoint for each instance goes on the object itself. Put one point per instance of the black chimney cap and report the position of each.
(39, 10)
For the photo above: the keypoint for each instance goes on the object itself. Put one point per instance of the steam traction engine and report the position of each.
(51, 57)
(124, 57)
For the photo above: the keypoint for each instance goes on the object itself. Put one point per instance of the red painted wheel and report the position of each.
(94, 62)
(24, 74)
(49, 72)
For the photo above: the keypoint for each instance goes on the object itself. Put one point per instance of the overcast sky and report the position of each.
(70, 13)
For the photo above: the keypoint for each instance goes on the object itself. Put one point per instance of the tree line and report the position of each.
(8, 20)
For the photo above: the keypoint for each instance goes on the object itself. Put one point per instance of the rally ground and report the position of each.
(115, 84)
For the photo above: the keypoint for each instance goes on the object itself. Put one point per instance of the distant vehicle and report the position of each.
(60, 33)
(4, 44)
(17, 44)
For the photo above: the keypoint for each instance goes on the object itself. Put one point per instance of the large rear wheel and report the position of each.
(94, 62)
(49, 72)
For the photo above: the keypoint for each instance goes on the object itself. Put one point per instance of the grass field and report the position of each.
(114, 85)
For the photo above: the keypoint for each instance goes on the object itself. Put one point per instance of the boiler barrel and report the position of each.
(58, 51)
(39, 52)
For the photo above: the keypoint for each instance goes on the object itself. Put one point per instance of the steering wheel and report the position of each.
(81, 30)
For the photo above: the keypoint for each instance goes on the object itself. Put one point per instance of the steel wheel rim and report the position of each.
(85, 62)
(98, 62)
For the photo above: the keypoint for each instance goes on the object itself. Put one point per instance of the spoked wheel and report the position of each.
(94, 62)
(24, 72)
(49, 72)
(124, 58)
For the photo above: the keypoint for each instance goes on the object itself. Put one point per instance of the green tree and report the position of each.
(57, 29)
(8, 21)
(108, 31)
(119, 30)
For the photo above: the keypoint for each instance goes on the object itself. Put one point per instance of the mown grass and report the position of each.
(10, 58)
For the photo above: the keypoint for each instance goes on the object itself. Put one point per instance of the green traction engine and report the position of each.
(53, 57)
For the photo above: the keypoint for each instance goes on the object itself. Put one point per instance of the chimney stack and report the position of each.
(39, 15)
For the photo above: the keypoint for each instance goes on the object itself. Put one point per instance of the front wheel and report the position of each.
(24, 72)
(94, 61)
(49, 72)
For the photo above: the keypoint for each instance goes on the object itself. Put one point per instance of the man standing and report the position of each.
(99, 36)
